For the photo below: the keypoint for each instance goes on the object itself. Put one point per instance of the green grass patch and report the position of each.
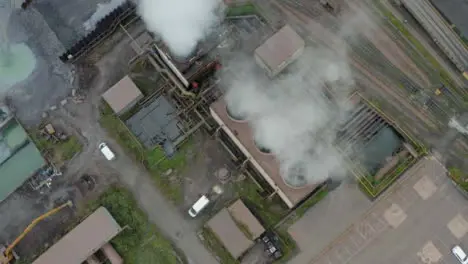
(459, 177)
(269, 212)
(158, 165)
(212, 242)
(141, 242)
(58, 152)
(241, 10)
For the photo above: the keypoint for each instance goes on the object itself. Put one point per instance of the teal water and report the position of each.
(15, 66)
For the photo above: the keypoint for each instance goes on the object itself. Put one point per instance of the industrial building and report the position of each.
(265, 163)
(19, 157)
(226, 226)
(123, 95)
(279, 50)
(81, 244)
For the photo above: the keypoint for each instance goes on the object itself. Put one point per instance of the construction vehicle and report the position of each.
(7, 254)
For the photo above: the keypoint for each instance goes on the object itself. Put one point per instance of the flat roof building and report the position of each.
(265, 163)
(84, 240)
(123, 95)
(277, 52)
(225, 225)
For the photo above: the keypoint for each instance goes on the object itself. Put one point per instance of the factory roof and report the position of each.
(122, 94)
(85, 239)
(19, 158)
(240, 212)
(266, 164)
(226, 226)
(280, 47)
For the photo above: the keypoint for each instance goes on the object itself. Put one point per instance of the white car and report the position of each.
(198, 206)
(460, 254)
(106, 151)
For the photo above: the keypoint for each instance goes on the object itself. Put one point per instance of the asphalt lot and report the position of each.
(416, 221)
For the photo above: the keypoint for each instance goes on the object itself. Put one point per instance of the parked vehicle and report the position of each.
(198, 206)
(106, 151)
(460, 254)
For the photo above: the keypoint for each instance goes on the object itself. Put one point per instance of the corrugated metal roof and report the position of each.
(19, 158)
(280, 47)
(229, 233)
(86, 238)
(18, 168)
(242, 214)
(122, 94)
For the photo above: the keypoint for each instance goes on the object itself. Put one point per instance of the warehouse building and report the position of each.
(123, 95)
(19, 157)
(277, 52)
(236, 227)
(80, 244)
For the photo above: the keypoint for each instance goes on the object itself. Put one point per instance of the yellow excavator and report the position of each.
(7, 255)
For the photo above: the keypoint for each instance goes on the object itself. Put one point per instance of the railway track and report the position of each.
(440, 31)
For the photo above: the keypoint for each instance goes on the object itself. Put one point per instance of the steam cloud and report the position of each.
(181, 23)
(291, 115)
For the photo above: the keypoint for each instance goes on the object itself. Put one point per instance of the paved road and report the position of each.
(85, 116)
(417, 221)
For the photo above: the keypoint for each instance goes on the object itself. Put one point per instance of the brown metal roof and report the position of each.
(279, 47)
(242, 214)
(242, 135)
(229, 233)
(85, 239)
(122, 94)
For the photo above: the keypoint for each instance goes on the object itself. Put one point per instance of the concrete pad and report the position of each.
(458, 226)
(425, 187)
(394, 215)
(429, 253)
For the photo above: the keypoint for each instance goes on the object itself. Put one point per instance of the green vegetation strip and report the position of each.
(141, 242)
(422, 50)
(154, 160)
(373, 190)
(212, 242)
(60, 151)
(459, 177)
(313, 200)
(270, 212)
(241, 10)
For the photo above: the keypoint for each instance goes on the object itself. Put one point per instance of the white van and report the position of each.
(106, 151)
(198, 206)
(460, 254)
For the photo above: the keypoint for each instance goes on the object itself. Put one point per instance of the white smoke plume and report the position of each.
(181, 23)
(291, 115)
